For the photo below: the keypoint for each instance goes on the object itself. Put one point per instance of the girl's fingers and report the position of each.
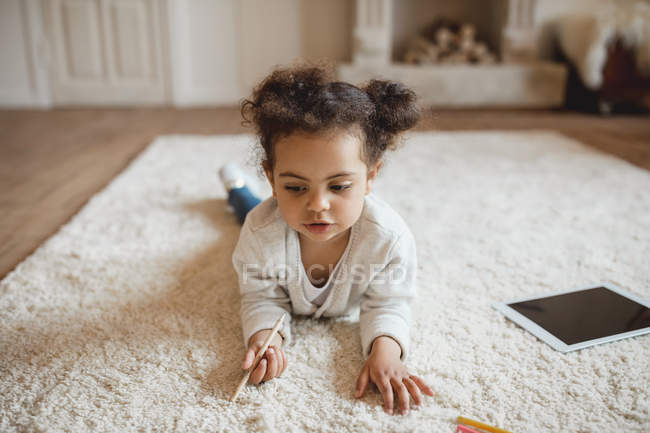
(387, 394)
(284, 361)
(362, 383)
(423, 386)
(248, 359)
(402, 395)
(279, 361)
(272, 366)
(414, 390)
(258, 374)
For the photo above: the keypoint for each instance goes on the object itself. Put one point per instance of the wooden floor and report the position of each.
(52, 162)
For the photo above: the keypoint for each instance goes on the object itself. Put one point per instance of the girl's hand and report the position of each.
(272, 364)
(385, 369)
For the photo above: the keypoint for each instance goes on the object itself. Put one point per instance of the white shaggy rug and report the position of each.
(127, 318)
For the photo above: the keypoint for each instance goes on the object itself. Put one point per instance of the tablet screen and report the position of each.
(585, 315)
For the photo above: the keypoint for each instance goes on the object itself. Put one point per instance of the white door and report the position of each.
(107, 52)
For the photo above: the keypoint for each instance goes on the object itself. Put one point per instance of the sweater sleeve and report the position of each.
(263, 300)
(385, 306)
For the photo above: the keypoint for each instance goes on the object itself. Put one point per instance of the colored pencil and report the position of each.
(465, 429)
(486, 427)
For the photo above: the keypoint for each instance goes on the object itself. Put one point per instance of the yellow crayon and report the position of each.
(491, 429)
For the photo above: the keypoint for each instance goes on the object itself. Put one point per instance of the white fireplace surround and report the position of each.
(520, 79)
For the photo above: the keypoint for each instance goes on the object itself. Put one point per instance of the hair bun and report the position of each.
(395, 105)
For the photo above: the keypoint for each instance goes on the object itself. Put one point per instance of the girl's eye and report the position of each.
(336, 188)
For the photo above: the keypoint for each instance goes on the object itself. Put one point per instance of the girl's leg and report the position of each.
(242, 201)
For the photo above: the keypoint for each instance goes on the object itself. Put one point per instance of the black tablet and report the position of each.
(579, 318)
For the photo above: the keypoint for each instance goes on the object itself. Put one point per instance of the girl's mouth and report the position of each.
(318, 228)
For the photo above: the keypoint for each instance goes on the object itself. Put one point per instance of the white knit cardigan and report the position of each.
(377, 275)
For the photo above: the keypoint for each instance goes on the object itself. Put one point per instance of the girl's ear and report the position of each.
(269, 176)
(372, 173)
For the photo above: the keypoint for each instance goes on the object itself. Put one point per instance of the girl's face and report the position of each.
(319, 182)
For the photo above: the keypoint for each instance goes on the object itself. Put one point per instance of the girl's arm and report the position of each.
(385, 305)
(263, 300)
(385, 322)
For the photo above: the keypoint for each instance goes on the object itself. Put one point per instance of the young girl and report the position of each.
(323, 245)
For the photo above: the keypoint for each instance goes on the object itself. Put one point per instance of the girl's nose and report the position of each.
(318, 202)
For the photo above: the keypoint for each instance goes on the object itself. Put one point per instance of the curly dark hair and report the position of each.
(305, 98)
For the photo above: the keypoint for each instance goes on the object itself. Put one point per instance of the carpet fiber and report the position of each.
(128, 317)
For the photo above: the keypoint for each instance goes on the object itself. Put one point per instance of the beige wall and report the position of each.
(282, 31)
(326, 28)
(220, 60)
